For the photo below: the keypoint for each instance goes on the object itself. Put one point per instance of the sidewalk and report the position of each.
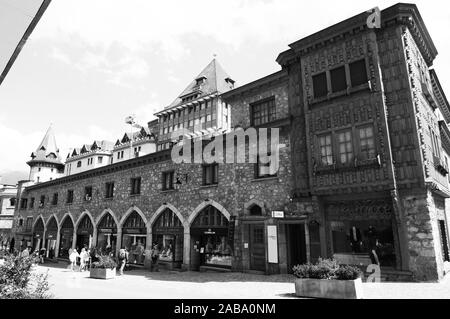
(142, 284)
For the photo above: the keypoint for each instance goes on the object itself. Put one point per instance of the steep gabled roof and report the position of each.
(47, 151)
(215, 80)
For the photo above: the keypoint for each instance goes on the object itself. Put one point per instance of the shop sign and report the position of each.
(209, 232)
(278, 214)
(105, 230)
(272, 243)
(67, 231)
(134, 231)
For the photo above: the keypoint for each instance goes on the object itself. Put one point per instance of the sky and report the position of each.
(90, 63)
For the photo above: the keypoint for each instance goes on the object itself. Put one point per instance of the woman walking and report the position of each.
(123, 257)
(73, 259)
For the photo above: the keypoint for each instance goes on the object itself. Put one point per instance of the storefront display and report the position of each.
(65, 238)
(168, 234)
(107, 235)
(211, 245)
(85, 232)
(134, 238)
(361, 232)
(50, 238)
(38, 235)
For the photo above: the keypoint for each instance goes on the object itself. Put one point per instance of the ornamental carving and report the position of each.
(362, 209)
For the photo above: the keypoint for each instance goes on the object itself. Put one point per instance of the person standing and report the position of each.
(73, 259)
(155, 257)
(123, 257)
(82, 259)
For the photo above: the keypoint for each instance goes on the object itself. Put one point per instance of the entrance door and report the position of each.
(195, 252)
(257, 248)
(296, 245)
(82, 241)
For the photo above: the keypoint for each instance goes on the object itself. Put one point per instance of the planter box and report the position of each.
(101, 273)
(331, 289)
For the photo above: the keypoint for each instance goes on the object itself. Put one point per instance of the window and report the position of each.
(167, 180)
(135, 186)
(338, 79)
(69, 196)
(39, 169)
(109, 190)
(366, 142)
(12, 202)
(208, 118)
(32, 202)
(29, 224)
(263, 112)
(264, 169)
(42, 201)
(89, 161)
(255, 210)
(210, 174)
(320, 86)
(23, 203)
(55, 199)
(325, 147)
(345, 147)
(20, 222)
(100, 159)
(88, 193)
(79, 164)
(358, 72)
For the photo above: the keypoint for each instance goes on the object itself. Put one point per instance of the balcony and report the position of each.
(440, 166)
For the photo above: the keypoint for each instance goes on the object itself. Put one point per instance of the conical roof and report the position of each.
(215, 80)
(47, 151)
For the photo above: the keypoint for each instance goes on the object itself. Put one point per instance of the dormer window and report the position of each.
(200, 80)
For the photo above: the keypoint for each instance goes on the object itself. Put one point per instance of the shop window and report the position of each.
(325, 148)
(55, 199)
(255, 210)
(366, 143)
(345, 147)
(167, 180)
(70, 196)
(361, 237)
(107, 234)
(210, 174)
(338, 79)
(263, 112)
(88, 193)
(168, 235)
(109, 190)
(320, 86)
(358, 72)
(135, 186)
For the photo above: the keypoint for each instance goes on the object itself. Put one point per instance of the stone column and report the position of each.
(58, 239)
(74, 239)
(118, 241)
(94, 237)
(187, 248)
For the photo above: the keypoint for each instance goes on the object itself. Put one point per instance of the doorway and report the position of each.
(257, 247)
(296, 245)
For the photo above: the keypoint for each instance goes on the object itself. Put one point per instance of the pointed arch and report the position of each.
(86, 212)
(161, 209)
(40, 217)
(248, 205)
(53, 216)
(104, 212)
(204, 204)
(63, 219)
(129, 211)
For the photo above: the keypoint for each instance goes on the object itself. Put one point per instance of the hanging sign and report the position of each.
(272, 244)
(278, 214)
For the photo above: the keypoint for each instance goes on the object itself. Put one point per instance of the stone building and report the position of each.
(7, 203)
(362, 123)
(367, 115)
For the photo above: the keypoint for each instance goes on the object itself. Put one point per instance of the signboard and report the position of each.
(278, 214)
(209, 232)
(272, 244)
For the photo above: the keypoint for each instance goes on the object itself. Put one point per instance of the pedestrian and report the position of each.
(41, 255)
(87, 259)
(26, 252)
(83, 259)
(123, 258)
(155, 257)
(73, 259)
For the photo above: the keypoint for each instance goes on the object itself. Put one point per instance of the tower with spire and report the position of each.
(45, 163)
(198, 109)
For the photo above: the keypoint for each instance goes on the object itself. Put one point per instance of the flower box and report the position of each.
(331, 289)
(102, 273)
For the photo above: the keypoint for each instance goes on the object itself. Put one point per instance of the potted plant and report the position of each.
(328, 279)
(103, 268)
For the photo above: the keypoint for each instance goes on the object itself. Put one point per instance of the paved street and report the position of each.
(141, 284)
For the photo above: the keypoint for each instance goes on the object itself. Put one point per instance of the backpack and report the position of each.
(122, 254)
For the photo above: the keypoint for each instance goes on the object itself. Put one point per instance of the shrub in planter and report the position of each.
(103, 268)
(18, 282)
(104, 262)
(328, 279)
